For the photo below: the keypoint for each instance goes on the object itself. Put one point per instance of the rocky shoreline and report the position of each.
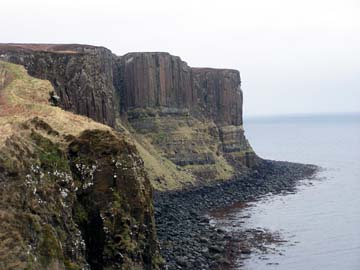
(189, 241)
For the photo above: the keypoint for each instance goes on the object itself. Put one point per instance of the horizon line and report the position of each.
(300, 114)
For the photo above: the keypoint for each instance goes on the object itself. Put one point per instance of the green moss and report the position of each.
(10, 165)
(80, 215)
(242, 153)
(159, 137)
(126, 242)
(157, 261)
(117, 200)
(71, 266)
(33, 223)
(14, 69)
(49, 247)
(50, 155)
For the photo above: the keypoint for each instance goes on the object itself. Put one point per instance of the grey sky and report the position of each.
(294, 56)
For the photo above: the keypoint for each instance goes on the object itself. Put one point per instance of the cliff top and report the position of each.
(63, 48)
(85, 48)
(167, 54)
(207, 69)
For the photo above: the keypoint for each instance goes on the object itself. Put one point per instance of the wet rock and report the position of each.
(203, 240)
(182, 261)
(216, 249)
(220, 246)
(245, 251)
(223, 261)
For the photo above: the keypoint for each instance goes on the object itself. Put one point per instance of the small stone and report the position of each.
(181, 261)
(245, 251)
(216, 249)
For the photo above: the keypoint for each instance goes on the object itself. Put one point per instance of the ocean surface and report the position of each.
(319, 224)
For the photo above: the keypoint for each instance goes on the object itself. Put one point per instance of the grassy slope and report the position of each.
(181, 138)
(23, 106)
(26, 97)
(163, 174)
(23, 99)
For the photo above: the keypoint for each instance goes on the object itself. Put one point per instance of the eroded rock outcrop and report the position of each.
(114, 206)
(92, 211)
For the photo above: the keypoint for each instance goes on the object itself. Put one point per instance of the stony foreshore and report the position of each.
(187, 239)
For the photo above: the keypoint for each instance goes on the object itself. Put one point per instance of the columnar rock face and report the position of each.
(87, 78)
(219, 95)
(81, 75)
(154, 80)
(160, 80)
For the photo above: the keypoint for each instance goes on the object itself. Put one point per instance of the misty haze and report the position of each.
(162, 135)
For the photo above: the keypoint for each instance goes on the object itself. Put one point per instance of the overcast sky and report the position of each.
(294, 56)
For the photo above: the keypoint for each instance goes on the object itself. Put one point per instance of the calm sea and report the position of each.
(321, 221)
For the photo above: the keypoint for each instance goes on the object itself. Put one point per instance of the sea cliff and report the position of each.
(87, 137)
(189, 119)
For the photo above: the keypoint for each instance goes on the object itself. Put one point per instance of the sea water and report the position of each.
(320, 222)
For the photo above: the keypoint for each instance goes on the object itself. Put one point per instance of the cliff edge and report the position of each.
(186, 122)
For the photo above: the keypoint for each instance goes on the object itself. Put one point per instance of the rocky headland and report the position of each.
(77, 179)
